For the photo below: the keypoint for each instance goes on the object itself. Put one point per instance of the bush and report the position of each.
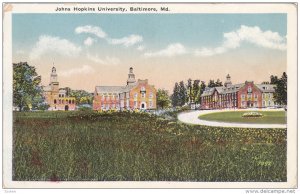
(252, 115)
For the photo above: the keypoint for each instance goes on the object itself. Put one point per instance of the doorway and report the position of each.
(66, 108)
(143, 106)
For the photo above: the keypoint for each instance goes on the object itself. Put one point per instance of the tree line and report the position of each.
(28, 92)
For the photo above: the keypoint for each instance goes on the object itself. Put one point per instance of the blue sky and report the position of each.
(149, 42)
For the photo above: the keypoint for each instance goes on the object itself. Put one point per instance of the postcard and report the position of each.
(150, 95)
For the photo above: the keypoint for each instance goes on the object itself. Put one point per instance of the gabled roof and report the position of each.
(266, 87)
(109, 89)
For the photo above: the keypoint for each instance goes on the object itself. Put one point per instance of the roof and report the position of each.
(222, 89)
(266, 87)
(109, 89)
(236, 87)
(114, 89)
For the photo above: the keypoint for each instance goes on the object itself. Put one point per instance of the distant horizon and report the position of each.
(89, 50)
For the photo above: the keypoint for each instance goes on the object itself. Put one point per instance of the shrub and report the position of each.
(252, 115)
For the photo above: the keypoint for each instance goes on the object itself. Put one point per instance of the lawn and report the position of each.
(269, 117)
(87, 146)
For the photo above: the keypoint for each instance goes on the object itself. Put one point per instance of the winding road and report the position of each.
(192, 118)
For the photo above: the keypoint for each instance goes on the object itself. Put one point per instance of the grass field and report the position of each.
(78, 146)
(269, 117)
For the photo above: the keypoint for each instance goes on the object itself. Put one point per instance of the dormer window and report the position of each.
(249, 89)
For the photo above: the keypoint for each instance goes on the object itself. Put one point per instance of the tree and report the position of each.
(189, 90)
(175, 95)
(280, 94)
(81, 96)
(211, 83)
(196, 91)
(162, 98)
(218, 83)
(182, 94)
(26, 85)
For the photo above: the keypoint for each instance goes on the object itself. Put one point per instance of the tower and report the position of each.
(53, 80)
(228, 81)
(131, 77)
(53, 77)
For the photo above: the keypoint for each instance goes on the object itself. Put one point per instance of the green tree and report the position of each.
(218, 83)
(202, 88)
(280, 94)
(81, 96)
(162, 99)
(189, 90)
(182, 94)
(26, 85)
(175, 95)
(196, 91)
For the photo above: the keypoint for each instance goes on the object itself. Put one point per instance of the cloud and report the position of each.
(85, 69)
(127, 41)
(106, 61)
(245, 34)
(140, 48)
(171, 50)
(89, 41)
(47, 44)
(91, 30)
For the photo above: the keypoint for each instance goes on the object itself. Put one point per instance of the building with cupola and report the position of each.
(57, 98)
(135, 95)
(244, 95)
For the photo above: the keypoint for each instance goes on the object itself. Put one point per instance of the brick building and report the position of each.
(57, 98)
(134, 95)
(245, 95)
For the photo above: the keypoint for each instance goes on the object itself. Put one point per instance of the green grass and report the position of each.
(78, 146)
(269, 117)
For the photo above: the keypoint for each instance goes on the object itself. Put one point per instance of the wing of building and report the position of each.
(134, 95)
(245, 95)
(57, 98)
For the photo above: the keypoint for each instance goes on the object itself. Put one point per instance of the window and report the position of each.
(255, 96)
(151, 95)
(135, 95)
(249, 96)
(270, 95)
(143, 95)
(73, 101)
(69, 101)
(150, 104)
(249, 89)
(143, 89)
(243, 96)
(59, 95)
(135, 104)
(54, 101)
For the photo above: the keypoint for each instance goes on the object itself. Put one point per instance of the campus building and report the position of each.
(134, 95)
(57, 98)
(245, 95)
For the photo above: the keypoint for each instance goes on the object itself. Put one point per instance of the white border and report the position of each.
(290, 9)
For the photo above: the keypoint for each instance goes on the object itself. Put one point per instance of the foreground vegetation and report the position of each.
(268, 117)
(77, 146)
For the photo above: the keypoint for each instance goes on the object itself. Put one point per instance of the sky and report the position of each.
(89, 50)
